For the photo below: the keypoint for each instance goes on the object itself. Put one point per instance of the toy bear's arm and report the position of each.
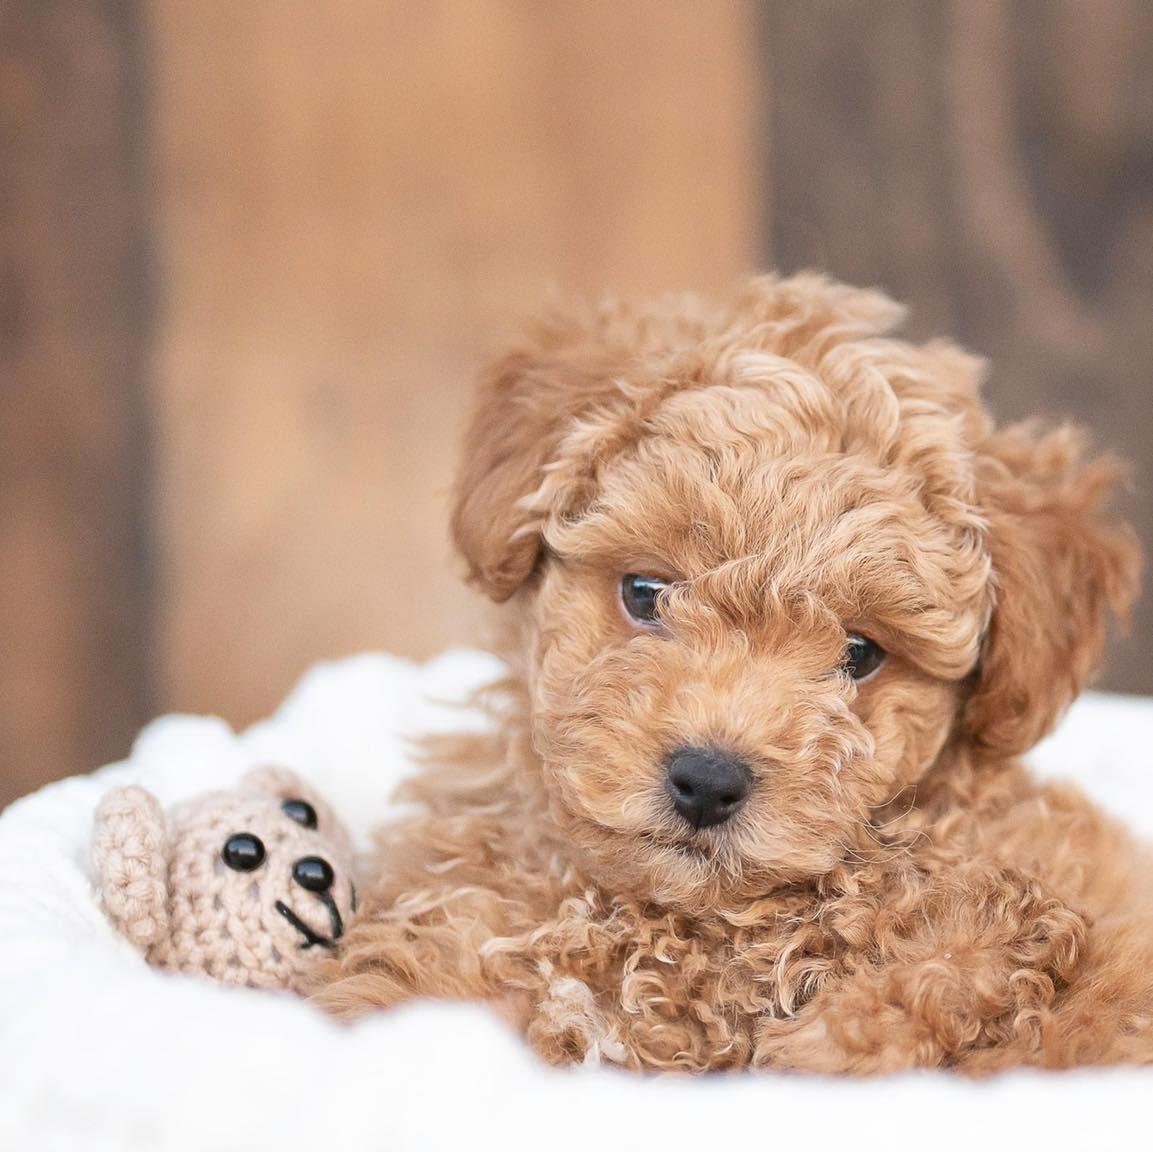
(935, 969)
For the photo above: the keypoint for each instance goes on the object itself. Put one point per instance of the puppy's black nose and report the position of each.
(313, 874)
(706, 785)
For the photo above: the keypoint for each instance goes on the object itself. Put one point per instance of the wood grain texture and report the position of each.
(990, 163)
(73, 331)
(352, 211)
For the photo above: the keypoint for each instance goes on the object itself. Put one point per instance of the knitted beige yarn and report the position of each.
(167, 883)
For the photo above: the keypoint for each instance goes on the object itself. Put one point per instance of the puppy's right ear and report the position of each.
(525, 403)
(130, 853)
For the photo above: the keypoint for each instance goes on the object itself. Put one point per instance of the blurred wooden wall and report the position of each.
(347, 206)
(75, 607)
(351, 210)
(250, 256)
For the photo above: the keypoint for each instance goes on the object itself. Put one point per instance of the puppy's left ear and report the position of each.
(1061, 564)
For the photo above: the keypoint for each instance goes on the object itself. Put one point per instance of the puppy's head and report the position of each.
(768, 562)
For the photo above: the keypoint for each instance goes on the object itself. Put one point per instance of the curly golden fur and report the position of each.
(896, 891)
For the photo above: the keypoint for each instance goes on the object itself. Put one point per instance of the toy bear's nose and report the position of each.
(313, 874)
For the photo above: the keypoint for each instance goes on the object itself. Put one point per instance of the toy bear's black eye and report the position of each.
(300, 811)
(243, 852)
(862, 656)
(641, 597)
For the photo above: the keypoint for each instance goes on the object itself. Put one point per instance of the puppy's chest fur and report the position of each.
(647, 988)
(588, 975)
(473, 904)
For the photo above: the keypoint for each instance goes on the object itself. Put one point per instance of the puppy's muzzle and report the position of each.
(706, 785)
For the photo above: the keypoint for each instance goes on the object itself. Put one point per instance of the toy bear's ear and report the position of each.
(286, 786)
(130, 853)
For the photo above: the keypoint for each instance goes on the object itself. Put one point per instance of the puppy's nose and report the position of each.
(313, 874)
(706, 785)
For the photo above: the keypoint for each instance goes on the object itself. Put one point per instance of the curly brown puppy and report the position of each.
(784, 609)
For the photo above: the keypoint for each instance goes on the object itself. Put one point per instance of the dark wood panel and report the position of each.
(991, 164)
(73, 323)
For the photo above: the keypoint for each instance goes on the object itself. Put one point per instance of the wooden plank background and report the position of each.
(251, 254)
(74, 328)
(351, 211)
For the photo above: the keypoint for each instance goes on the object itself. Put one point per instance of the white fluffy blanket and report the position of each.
(98, 1051)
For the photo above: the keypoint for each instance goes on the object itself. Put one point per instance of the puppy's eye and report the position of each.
(639, 595)
(243, 852)
(300, 811)
(862, 656)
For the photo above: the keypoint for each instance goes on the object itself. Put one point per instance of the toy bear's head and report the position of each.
(250, 886)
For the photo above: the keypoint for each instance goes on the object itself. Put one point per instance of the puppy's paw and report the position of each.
(951, 965)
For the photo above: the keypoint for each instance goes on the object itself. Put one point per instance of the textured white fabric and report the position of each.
(100, 1052)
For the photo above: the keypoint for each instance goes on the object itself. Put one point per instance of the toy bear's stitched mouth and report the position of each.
(311, 936)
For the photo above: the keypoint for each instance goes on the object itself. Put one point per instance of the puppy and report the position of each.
(783, 611)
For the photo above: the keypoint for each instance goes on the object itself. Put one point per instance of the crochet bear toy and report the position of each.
(249, 886)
